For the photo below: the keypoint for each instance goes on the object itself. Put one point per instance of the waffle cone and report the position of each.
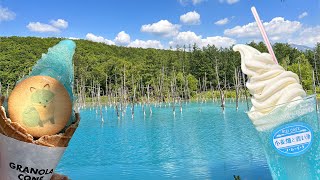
(16, 131)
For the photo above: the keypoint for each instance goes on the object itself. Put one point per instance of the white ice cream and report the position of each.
(269, 83)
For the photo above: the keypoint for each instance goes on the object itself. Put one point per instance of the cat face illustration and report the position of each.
(41, 97)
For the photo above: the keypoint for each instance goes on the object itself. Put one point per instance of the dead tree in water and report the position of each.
(8, 87)
(124, 92)
(314, 88)
(92, 95)
(161, 86)
(225, 87)
(316, 68)
(83, 92)
(173, 91)
(313, 83)
(142, 95)
(106, 91)
(219, 87)
(116, 96)
(99, 103)
(236, 87)
(245, 90)
(212, 91)
(148, 94)
(110, 94)
(173, 98)
(79, 101)
(133, 99)
(199, 91)
(187, 90)
(204, 86)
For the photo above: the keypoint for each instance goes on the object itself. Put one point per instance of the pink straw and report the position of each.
(263, 33)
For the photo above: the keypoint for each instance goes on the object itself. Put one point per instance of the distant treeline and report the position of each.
(188, 67)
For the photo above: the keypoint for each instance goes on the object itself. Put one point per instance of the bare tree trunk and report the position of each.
(148, 93)
(8, 87)
(245, 89)
(116, 105)
(173, 98)
(188, 90)
(314, 88)
(237, 88)
(133, 97)
(106, 93)
(124, 85)
(99, 103)
(225, 87)
(316, 68)
(220, 90)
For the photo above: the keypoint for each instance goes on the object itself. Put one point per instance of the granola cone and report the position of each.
(14, 130)
(21, 153)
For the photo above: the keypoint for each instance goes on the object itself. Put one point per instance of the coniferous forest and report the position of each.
(160, 75)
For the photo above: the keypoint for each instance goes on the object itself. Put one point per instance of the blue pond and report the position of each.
(199, 143)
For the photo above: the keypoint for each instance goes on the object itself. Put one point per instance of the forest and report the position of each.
(136, 73)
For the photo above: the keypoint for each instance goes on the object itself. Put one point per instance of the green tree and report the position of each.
(304, 71)
(192, 83)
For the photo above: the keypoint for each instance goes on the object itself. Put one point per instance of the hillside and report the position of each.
(188, 66)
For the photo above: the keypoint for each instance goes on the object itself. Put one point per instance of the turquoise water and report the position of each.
(199, 143)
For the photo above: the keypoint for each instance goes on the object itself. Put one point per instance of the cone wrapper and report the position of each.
(22, 157)
(21, 160)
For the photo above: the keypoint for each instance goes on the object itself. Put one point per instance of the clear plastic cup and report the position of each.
(291, 144)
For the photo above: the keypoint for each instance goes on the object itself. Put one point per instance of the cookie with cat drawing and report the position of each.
(41, 105)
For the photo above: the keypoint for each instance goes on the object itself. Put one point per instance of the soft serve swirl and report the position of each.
(269, 83)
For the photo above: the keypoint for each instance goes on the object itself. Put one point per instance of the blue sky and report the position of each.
(163, 23)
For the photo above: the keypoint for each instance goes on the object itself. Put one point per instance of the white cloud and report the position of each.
(189, 37)
(190, 18)
(101, 39)
(229, 1)
(6, 14)
(162, 28)
(55, 26)
(183, 2)
(218, 41)
(122, 38)
(278, 28)
(60, 23)
(186, 38)
(309, 36)
(42, 28)
(304, 14)
(146, 44)
(194, 2)
(222, 21)
(73, 38)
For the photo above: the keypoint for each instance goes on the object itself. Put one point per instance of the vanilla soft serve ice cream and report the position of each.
(269, 84)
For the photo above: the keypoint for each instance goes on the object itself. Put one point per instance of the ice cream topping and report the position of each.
(269, 83)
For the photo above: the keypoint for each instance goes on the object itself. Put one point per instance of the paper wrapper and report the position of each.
(22, 157)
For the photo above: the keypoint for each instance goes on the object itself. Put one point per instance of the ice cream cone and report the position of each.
(59, 140)
(44, 153)
(14, 130)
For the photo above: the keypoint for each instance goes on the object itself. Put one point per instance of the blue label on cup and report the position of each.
(292, 139)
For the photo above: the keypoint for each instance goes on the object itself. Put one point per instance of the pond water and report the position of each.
(202, 142)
